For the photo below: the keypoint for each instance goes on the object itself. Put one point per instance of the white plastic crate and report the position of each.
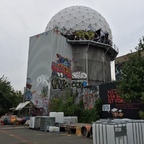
(37, 122)
(59, 116)
(53, 129)
(109, 133)
(70, 119)
(135, 132)
(32, 122)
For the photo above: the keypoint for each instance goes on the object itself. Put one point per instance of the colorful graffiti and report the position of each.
(39, 101)
(61, 73)
(62, 67)
(90, 94)
(28, 93)
(62, 76)
(39, 98)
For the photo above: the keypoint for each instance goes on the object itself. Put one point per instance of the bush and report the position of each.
(71, 109)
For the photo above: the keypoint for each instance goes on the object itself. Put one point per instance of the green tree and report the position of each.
(69, 106)
(131, 84)
(63, 103)
(79, 111)
(8, 96)
(56, 105)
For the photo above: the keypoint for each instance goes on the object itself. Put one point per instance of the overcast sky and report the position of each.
(21, 19)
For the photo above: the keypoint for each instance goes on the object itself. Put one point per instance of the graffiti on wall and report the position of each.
(40, 102)
(62, 67)
(28, 93)
(62, 76)
(39, 98)
(58, 83)
(90, 94)
(79, 75)
(43, 79)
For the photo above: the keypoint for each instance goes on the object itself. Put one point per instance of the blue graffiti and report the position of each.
(61, 60)
(28, 95)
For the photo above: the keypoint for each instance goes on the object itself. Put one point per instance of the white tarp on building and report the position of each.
(22, 105)
(45, 50)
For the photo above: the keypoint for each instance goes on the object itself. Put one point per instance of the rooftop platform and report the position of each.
(112, 49)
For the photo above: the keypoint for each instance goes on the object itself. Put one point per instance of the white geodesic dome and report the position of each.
(79, 18)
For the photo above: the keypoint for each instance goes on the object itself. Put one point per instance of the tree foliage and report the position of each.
(8, 96)
(131, 84)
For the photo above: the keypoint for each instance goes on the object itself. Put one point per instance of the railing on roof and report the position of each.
(90, 35)
(110, 44)
(115, 47)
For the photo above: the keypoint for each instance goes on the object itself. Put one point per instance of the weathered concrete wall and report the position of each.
(92, 60)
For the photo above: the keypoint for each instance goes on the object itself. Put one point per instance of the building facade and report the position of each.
(69, 55)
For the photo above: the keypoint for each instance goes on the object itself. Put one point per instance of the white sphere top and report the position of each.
(79, 18)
